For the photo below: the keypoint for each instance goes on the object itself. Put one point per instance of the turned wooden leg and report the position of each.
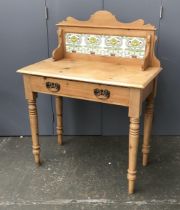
(34, 129)
(58, 100)
(148, 117)
(133, 149)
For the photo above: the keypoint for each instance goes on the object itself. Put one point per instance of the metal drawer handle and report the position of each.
(102, 94)
(53, 87)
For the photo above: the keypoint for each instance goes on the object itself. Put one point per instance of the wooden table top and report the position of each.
(94, 72)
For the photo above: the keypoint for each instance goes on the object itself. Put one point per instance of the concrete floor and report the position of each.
(87, 173)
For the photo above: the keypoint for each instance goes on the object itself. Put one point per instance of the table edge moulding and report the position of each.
(102, 60)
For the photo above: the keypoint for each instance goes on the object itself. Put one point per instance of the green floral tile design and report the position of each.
(119, 46)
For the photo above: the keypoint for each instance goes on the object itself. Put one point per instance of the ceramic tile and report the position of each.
(119, 46)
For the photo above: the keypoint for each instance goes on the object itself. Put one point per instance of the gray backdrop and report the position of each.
(23, 40)
(26, 37)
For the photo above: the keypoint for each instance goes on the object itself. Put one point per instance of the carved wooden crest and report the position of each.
(106, 19)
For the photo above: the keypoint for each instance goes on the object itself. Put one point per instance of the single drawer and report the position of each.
(80, 90)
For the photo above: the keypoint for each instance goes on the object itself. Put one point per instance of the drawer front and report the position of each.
(80, 90)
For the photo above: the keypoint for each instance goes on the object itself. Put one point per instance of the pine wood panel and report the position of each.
(95, 72)
(80, 90)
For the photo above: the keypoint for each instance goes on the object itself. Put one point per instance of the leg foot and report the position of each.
(133, 149)
(145, 160)
(36, 153)
(131, 186)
